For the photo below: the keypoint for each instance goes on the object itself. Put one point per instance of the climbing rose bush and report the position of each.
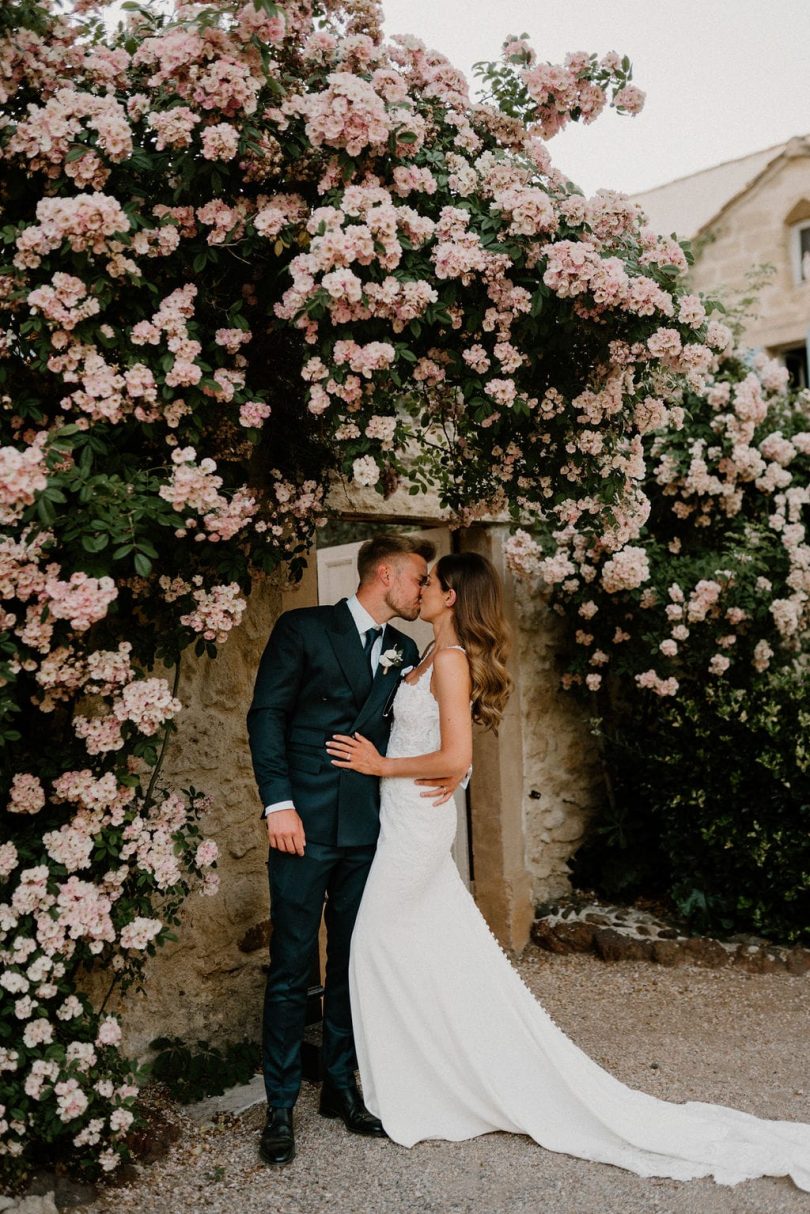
(248, 248)
(688, 646)
(717, 582)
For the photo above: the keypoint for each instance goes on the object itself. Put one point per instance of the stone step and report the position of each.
(237, 1100)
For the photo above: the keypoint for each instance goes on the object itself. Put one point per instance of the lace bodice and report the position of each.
(416, 717)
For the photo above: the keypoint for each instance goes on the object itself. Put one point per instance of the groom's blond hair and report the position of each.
(385, 547)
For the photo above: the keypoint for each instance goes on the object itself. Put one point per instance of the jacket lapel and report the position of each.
(385, 683)
(348, 648)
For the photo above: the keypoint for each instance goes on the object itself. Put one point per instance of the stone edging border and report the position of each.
(630, 935)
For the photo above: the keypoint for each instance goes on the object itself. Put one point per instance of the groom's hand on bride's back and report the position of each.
(285, 832)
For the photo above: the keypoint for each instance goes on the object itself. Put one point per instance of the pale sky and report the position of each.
(723, 77)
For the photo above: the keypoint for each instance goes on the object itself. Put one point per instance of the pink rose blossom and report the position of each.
(220, 142)
(366, 471)
(71, 1101)
(139, 933)
(27, 795)
(206, 854)
(109, 1031)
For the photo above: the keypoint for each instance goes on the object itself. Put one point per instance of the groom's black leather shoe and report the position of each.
(348, 1104)
(277, 1143)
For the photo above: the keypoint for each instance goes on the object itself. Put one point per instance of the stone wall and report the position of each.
(209, 984)
(561, 773)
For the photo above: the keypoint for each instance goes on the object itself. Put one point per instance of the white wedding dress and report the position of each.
(452, 1044)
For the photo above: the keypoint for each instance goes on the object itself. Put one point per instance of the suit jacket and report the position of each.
(314, 680)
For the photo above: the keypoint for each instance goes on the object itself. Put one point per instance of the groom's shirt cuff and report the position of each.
(276, 806)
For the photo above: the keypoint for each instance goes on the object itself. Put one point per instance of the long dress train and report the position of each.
(452, 1044)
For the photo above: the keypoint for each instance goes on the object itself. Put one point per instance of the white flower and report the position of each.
(365, 470)
(391, 657)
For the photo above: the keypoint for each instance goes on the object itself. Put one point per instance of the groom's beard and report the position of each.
(405, 611)
(411, 614)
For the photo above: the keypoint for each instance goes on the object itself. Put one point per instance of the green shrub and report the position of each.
(191, 1075)
(712, 808)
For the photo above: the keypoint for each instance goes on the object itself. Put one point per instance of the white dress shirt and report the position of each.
(363, 621)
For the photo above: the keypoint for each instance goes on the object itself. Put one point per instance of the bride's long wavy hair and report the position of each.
(482, 631)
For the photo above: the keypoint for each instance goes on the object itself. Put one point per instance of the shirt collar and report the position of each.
(362, 620)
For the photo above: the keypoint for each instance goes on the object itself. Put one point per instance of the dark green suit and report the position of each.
(314, 681)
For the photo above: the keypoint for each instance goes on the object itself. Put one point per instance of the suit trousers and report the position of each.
(299, 887)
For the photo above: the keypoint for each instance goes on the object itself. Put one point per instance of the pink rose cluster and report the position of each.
(348, 113)
(173, 127)
(652, 681)
(626, 570)
(65, 302)
(22, 477)
(195, 487)
(86, 222)
(575, 267)
(81, 600)
(27, 795)
(523, 554)
(208, 73)
(145, 703)
(51, 131)
(216, 612)
(579, 86)
(220, 141)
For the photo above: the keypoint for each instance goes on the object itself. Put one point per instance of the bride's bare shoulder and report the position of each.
(451, 662)
(452, 652)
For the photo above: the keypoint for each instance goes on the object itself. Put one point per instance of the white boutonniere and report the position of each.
(391, 658)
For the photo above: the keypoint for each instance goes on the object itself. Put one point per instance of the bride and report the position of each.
(450, 1042)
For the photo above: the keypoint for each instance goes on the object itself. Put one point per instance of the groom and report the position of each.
(325, 670)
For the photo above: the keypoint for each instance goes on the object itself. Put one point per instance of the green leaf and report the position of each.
(94, 543)
(45, 510)
(142, 564)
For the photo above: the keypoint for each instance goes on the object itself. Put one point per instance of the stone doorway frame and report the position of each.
(501, 882)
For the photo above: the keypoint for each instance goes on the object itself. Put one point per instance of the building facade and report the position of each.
(743, 216)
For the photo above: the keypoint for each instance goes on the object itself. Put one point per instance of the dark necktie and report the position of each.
(371, 635)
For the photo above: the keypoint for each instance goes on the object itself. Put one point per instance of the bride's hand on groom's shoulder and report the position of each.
(355, 753)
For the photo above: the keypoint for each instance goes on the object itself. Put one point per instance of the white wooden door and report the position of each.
(337, 579)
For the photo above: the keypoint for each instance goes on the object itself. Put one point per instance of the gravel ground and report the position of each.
(723, 1036)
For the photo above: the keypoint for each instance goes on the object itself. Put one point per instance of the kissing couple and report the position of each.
(358, 745)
